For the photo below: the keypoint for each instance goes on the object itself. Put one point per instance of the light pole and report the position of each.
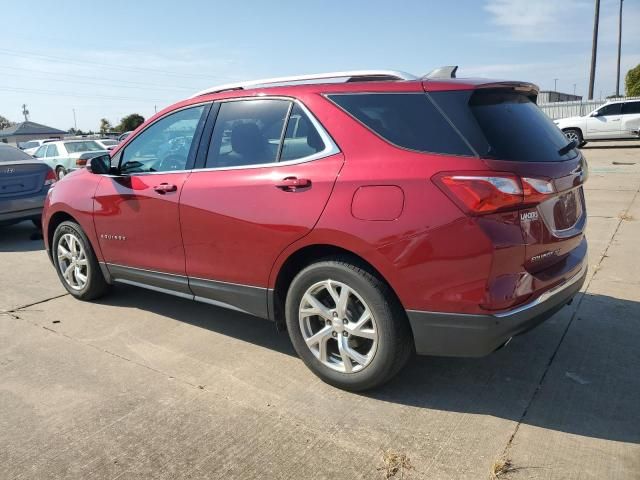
(594, 49)
(619, 50)
(75, 125)
(555, 84)
(574, 89)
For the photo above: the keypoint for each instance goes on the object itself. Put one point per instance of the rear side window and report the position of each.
(52, 151)
(301, 138)
(408, 120)
(247, 132)
(89, 146)
(504, 125)
(631, 107)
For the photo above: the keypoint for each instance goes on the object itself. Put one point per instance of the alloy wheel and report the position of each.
(338, 326)
(72, 261)
(572, 135)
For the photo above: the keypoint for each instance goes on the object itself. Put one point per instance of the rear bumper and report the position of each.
(468, 335)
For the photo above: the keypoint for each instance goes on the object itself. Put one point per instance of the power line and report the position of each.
(51, 58)
(75, 95)
(81, 82)
(93, 77)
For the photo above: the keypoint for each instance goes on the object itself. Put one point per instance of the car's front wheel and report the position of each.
(60, 172)
(575, 135)
(76, 262)
(346, 325)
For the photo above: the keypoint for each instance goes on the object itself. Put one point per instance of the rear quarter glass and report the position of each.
(504, 125)
(407, 120)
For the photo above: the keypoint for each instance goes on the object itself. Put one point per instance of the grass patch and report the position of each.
(395, 463)
(625, 216)
(500, 468)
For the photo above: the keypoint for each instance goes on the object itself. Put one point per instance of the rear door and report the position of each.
(268, 171)
(630, 126)
(607, 122)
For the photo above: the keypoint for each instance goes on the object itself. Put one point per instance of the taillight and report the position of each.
(81, 162)
(479, 193)
(50, 179)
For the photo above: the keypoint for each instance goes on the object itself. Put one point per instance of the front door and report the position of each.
(136, 213)
(268, 174)
(607, 123)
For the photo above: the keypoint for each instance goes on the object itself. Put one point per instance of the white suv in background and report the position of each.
(612, 121)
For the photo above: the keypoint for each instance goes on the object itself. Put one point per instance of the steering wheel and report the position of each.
(172, 162)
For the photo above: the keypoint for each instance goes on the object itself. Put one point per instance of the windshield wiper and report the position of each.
(568, 147)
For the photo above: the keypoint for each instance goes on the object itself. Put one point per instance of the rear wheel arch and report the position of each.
(307, 255)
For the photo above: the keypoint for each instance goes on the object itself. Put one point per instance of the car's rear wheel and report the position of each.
(575, 135)
(346, 325)
(76, 263)
(60, 173)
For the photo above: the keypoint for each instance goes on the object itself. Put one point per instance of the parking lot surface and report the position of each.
(142, 385)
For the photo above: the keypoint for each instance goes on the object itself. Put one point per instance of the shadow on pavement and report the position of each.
(591, 388)
(21, 237)
(631, 144)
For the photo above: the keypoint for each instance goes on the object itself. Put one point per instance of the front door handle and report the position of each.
(292, 184)
(165, 188)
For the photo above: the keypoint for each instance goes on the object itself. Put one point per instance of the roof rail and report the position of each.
(448, 71)
(351, 76)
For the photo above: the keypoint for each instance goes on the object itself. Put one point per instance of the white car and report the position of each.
(69, 155)
(31, 146)
(612, 121)
(107, 143)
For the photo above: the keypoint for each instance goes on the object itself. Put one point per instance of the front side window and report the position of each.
(611, 109)
(247, 132)
(630, 108)
(40, 152)
(408, 120)
(165, 145)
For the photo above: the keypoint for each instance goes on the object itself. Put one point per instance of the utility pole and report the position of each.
(555, 84)
(75, 125)
(574, 89)
(594, 49)
(619, 50)
(25, 112)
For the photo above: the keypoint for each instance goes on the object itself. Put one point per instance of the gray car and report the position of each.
(24, 183)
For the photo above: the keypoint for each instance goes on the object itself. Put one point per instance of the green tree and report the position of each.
(632, 82)
(5, 123)
(130, 122)
(105, 126)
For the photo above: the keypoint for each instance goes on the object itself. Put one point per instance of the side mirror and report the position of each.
(100, 165)
(595, 114)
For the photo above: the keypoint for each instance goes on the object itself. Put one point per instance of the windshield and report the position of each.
(86, 146)
(109, 142)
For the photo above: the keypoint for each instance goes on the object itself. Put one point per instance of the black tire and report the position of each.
(60, 172)
(395, 343)
(95, 286)
(571, 132)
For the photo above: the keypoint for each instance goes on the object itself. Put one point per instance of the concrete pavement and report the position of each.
(142, 385)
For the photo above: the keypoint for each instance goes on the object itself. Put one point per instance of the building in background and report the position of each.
(549, 96)
(25, 131)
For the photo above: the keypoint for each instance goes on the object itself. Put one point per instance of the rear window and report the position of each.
(75, 147)
(12, 154)
(504, 125)
(408, 120)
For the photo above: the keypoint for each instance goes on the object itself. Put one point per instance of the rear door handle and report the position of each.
(292, 184)
(165, 188)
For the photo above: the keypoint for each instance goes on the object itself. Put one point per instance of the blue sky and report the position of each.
(109, 59)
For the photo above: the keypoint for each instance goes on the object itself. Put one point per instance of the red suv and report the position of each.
(371, 217)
